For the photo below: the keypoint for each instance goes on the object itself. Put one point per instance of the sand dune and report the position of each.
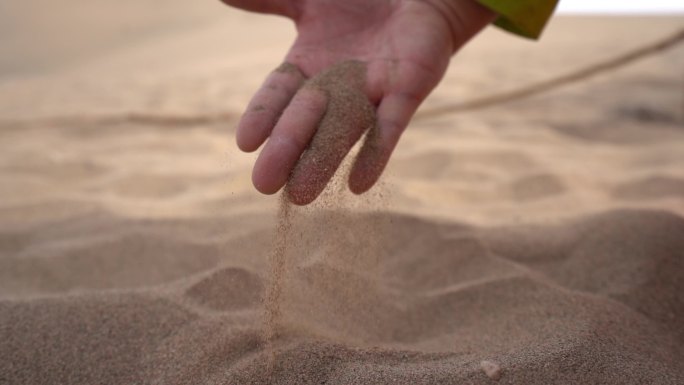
(538, 242)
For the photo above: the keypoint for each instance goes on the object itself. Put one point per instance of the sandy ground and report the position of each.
(541, 241)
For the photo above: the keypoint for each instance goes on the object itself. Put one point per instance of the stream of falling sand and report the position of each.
(348, 115)
(277, 261)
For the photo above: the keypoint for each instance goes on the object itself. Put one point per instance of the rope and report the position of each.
(557, 82)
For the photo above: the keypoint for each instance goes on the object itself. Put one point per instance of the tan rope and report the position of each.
(550, 84)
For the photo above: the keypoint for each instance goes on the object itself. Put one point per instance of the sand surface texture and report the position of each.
(539, 242)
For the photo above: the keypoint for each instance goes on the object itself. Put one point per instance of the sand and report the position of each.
(348, 115)
(538, 242)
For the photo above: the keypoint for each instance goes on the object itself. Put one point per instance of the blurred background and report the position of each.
(130, 107)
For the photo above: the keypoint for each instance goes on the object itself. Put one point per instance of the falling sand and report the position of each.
(348, 115)
(274, 293)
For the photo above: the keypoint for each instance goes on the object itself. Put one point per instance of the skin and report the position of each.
(406, 46)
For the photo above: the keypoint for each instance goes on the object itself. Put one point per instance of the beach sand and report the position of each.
(536, 242)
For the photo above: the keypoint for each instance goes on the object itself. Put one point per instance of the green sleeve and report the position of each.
(522, 17)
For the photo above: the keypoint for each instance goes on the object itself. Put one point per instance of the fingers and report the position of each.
(267, 105)
(320, 123)
(289, 138)
(394, 113)
(348, 115)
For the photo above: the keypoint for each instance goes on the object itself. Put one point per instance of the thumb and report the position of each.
(278, 7)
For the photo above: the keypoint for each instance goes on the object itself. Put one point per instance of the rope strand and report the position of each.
(557, 82)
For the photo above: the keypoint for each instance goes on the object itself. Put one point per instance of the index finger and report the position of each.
(267, 105)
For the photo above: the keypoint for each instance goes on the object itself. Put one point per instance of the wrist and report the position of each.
(465, 18)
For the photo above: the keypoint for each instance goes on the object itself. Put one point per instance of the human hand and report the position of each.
(395, 52)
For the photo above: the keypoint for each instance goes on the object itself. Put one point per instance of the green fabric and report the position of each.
(522, 17)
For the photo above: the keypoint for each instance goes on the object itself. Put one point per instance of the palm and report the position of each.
(405, 45)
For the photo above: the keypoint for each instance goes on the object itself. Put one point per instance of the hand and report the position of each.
(405, 46)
